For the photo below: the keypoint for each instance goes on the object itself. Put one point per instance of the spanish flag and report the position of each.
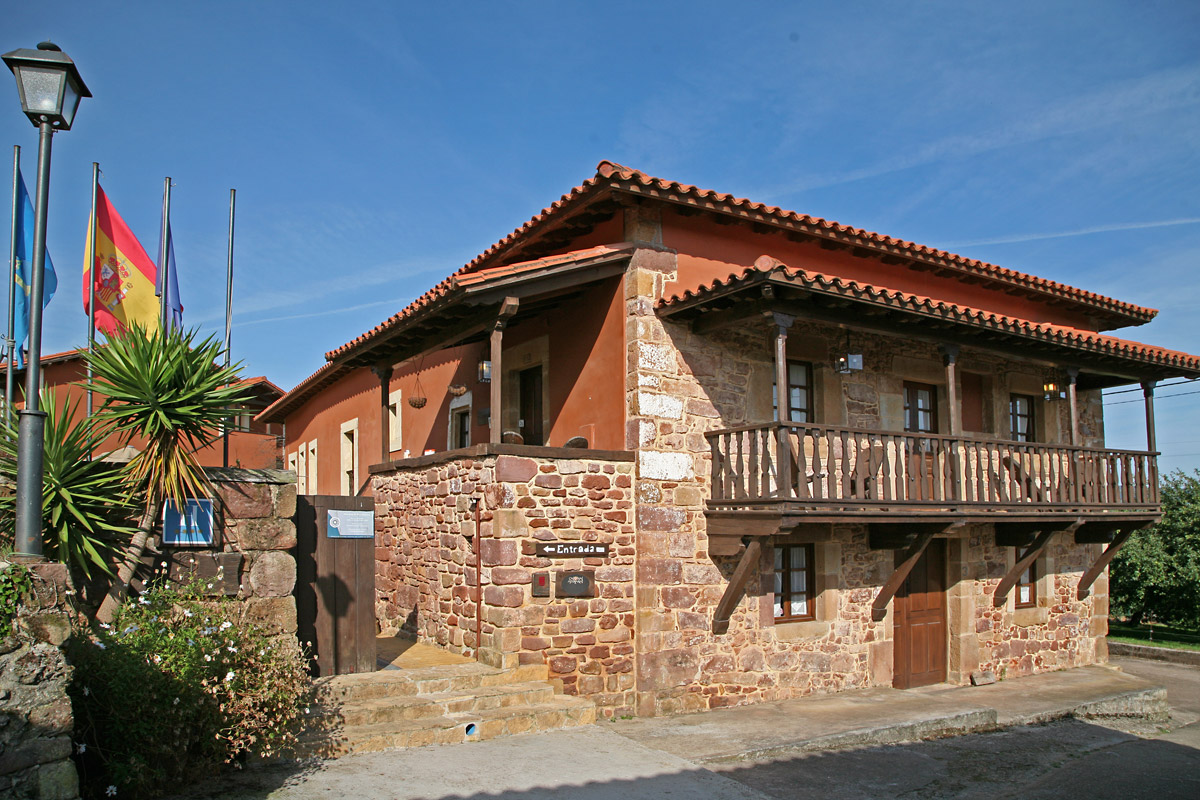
(124, 275)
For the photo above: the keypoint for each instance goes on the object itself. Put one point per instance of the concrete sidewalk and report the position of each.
(888, 716)
(651, 758)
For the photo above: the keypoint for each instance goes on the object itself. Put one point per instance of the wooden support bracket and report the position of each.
(1023, 561)
(746, 567)
(911, 556)
(1089, 577)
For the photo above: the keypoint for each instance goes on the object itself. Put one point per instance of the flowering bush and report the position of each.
(177, 685)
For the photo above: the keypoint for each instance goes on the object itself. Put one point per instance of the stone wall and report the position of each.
(36, 720)
(252, 559)
(426, 555)
(680, 385)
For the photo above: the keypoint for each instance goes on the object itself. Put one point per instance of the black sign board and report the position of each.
(572, 549)
(575, 584)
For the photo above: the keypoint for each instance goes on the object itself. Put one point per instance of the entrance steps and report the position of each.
(446, 704)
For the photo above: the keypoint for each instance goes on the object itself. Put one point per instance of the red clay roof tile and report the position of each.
(1059, 334)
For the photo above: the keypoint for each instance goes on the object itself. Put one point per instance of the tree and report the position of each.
(171, 393)
(85, 505)
(1157, 573)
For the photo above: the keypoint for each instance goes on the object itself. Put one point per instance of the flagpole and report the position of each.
(229, 305)
(10, 358)
(91, 260)
(162, 287)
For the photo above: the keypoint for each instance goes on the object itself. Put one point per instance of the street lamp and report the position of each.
(50, 89)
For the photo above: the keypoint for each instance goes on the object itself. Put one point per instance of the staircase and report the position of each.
(444, 704)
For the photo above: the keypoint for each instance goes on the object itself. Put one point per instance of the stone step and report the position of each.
(426, 706)
(426, 680)
(561, 711)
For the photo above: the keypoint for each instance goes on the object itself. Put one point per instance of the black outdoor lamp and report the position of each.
(50, 89)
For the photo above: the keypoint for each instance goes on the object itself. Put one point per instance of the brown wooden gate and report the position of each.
(920, 622)
(335, 587)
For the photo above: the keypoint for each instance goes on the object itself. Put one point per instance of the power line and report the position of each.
(1161, 396)
(1162, 386)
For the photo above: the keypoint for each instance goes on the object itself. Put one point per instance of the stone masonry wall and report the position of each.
(253, 558)
(680, 385)
(425, 561)
(36, 720)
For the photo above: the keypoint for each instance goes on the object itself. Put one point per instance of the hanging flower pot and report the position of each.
(457, 389)
(418, 399)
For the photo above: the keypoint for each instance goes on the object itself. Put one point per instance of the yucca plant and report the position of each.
(86, 506)
(168, 393)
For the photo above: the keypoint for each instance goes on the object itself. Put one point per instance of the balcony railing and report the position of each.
(852, 469)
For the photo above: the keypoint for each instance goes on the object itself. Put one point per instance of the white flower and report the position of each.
(175, 702)
(229, 676)
(207, 657)
(231, 649)
(132, 629)
(86, 691)
(81, 747)
(157, 658)
(187, 612)
(101, 645)
(111, 791)
(104, 625)
(226, 624)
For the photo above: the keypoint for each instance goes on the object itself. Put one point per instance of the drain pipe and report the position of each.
(478, 580)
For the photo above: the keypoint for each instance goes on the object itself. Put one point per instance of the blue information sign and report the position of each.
(193, 527)
(350, 525)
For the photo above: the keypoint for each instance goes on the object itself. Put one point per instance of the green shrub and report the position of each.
(15, 583)
(178, 685)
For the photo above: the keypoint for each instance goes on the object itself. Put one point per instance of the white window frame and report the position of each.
(348, 446)
(457, 404)
(395, 421)
(313, 486)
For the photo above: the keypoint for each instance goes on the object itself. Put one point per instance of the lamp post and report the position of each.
(50, 89)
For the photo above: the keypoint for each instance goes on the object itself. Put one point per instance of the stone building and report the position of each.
(600, 480)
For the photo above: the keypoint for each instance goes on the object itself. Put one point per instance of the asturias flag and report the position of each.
(24, 271)
(124, 274)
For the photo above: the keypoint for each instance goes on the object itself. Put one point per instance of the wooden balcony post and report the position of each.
(950, 359)
(1148, 393)
(383, 371)
(508, 309)
(1072, 379)
(783, 461)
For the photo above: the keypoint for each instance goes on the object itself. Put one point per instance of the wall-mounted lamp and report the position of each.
(1051, 390)
(485, 371)
(850, 362)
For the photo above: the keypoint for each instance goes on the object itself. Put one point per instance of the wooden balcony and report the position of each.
(829, 474)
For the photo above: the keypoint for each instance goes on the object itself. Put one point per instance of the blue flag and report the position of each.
(170, 279)
(24, 272)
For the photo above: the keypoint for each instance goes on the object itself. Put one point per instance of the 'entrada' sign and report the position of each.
(572, 549)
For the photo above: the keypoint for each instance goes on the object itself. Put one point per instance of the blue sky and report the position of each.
(378, 146)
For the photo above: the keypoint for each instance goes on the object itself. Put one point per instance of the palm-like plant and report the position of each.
(170, 393)
(85, 504)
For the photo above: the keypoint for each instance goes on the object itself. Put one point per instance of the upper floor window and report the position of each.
(920, 408)
(800, 393)
(1020, 415)
(794, 598)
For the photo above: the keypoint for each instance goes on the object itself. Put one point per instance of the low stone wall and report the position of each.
(426, 557)
(252, 559)
(36, 720)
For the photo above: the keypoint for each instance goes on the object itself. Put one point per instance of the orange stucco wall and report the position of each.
(256, 448)
(585, 388)
(708, 251)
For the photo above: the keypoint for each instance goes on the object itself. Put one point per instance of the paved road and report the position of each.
(1070, 758)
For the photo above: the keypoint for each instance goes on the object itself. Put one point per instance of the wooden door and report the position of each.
(335, 587)
(920, 635)
(531, 405)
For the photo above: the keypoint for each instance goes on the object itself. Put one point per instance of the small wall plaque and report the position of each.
(576, 584)
(192, 527)
(541, 584)
(572, 549)
(350, 524)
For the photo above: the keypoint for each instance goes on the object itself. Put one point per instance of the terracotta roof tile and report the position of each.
(1058, 334)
